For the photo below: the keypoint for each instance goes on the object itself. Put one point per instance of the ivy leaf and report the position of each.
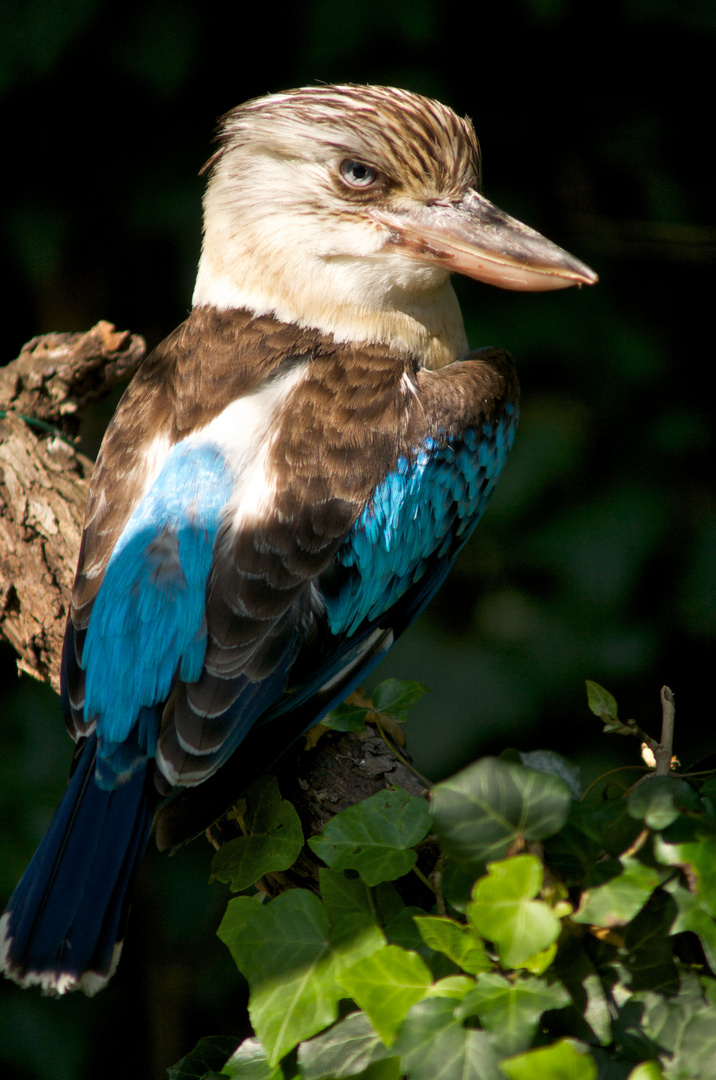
(650, 956)
(505, 912)
(389, 1069)
(457, 882)
(402, 931)
(208, 1056)
(386, 985)
(460, 943)
(590, 1017)
(346, 1049)
(511, 1011)
(575, 848)
(354, 930)
(698, 858)
(274, 842)
(614, 828)
(284, 951)
(696, 1055)
(238, 914)
(615, 902)
(648, 1070)
(660, 800)
(692, 916)
(483, 810)
(563, 1060)
(395, 698)
(452, 986)
(346, 717)
(375, 837)
(249, 1062)
(433, 1045)
(604, 705)
(547, 761)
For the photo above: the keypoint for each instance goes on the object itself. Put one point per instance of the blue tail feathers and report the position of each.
(63, 925)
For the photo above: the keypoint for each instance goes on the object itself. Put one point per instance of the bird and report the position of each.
(286, 483)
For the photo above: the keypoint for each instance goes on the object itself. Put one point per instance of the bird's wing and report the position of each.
(391, 561)
(167, 466)
(276, 549)
(304, 605)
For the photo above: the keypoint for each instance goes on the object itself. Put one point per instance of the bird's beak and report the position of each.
(472, 236)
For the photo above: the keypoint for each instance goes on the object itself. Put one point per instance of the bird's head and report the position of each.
(346, 208)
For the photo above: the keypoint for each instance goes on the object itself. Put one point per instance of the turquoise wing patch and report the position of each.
(424, 510)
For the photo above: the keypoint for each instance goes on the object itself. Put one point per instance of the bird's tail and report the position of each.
(63, 926)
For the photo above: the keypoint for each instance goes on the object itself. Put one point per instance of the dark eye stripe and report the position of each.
(357, 174)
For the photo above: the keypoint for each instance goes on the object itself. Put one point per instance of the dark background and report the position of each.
(597, 557)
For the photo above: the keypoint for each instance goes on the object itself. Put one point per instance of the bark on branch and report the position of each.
(44, 480)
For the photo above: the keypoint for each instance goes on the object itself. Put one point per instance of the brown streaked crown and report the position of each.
(404, 135)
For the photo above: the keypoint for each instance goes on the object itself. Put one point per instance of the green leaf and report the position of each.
(511, 1011)
(612, 825)
(389, 1069)
(375, 837)
(238, 914)
(386, 985)
(284, 951)
(483, 810)
(648, 1070)
(660, 800)
(388, 903)
(395, 697)
(698, 858)
(354, 929)
(249, 1062)
(692, 916)
(274, 842)
(563, 1060)
(457, 882)
(650, 955)
(603, 704)
(452, 986)
(346, 717)
(600, 701)
(208, 1056)
(433, 1045)
(590, 1017)
(618, 899)
(649, 1024)
(460, 943)
(552, 764)
(346, 1049)
(505, 912)
(696, 1055)
(402, 931)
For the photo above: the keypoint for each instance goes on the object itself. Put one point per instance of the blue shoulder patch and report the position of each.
(425, 508)
(148, 619)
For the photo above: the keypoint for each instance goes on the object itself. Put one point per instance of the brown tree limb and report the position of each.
(57, 376)
(44, 481)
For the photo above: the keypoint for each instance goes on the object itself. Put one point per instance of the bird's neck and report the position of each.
(340, 300)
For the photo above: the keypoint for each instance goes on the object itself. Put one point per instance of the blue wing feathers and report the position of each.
(416, 515)
(148, 619)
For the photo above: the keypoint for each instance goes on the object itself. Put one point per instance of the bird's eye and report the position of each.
(358, 175)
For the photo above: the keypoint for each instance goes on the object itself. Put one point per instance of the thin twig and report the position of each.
(665, 748)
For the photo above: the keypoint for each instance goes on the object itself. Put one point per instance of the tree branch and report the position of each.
(44, 481)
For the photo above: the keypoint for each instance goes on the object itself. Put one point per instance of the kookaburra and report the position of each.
(285, 484)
